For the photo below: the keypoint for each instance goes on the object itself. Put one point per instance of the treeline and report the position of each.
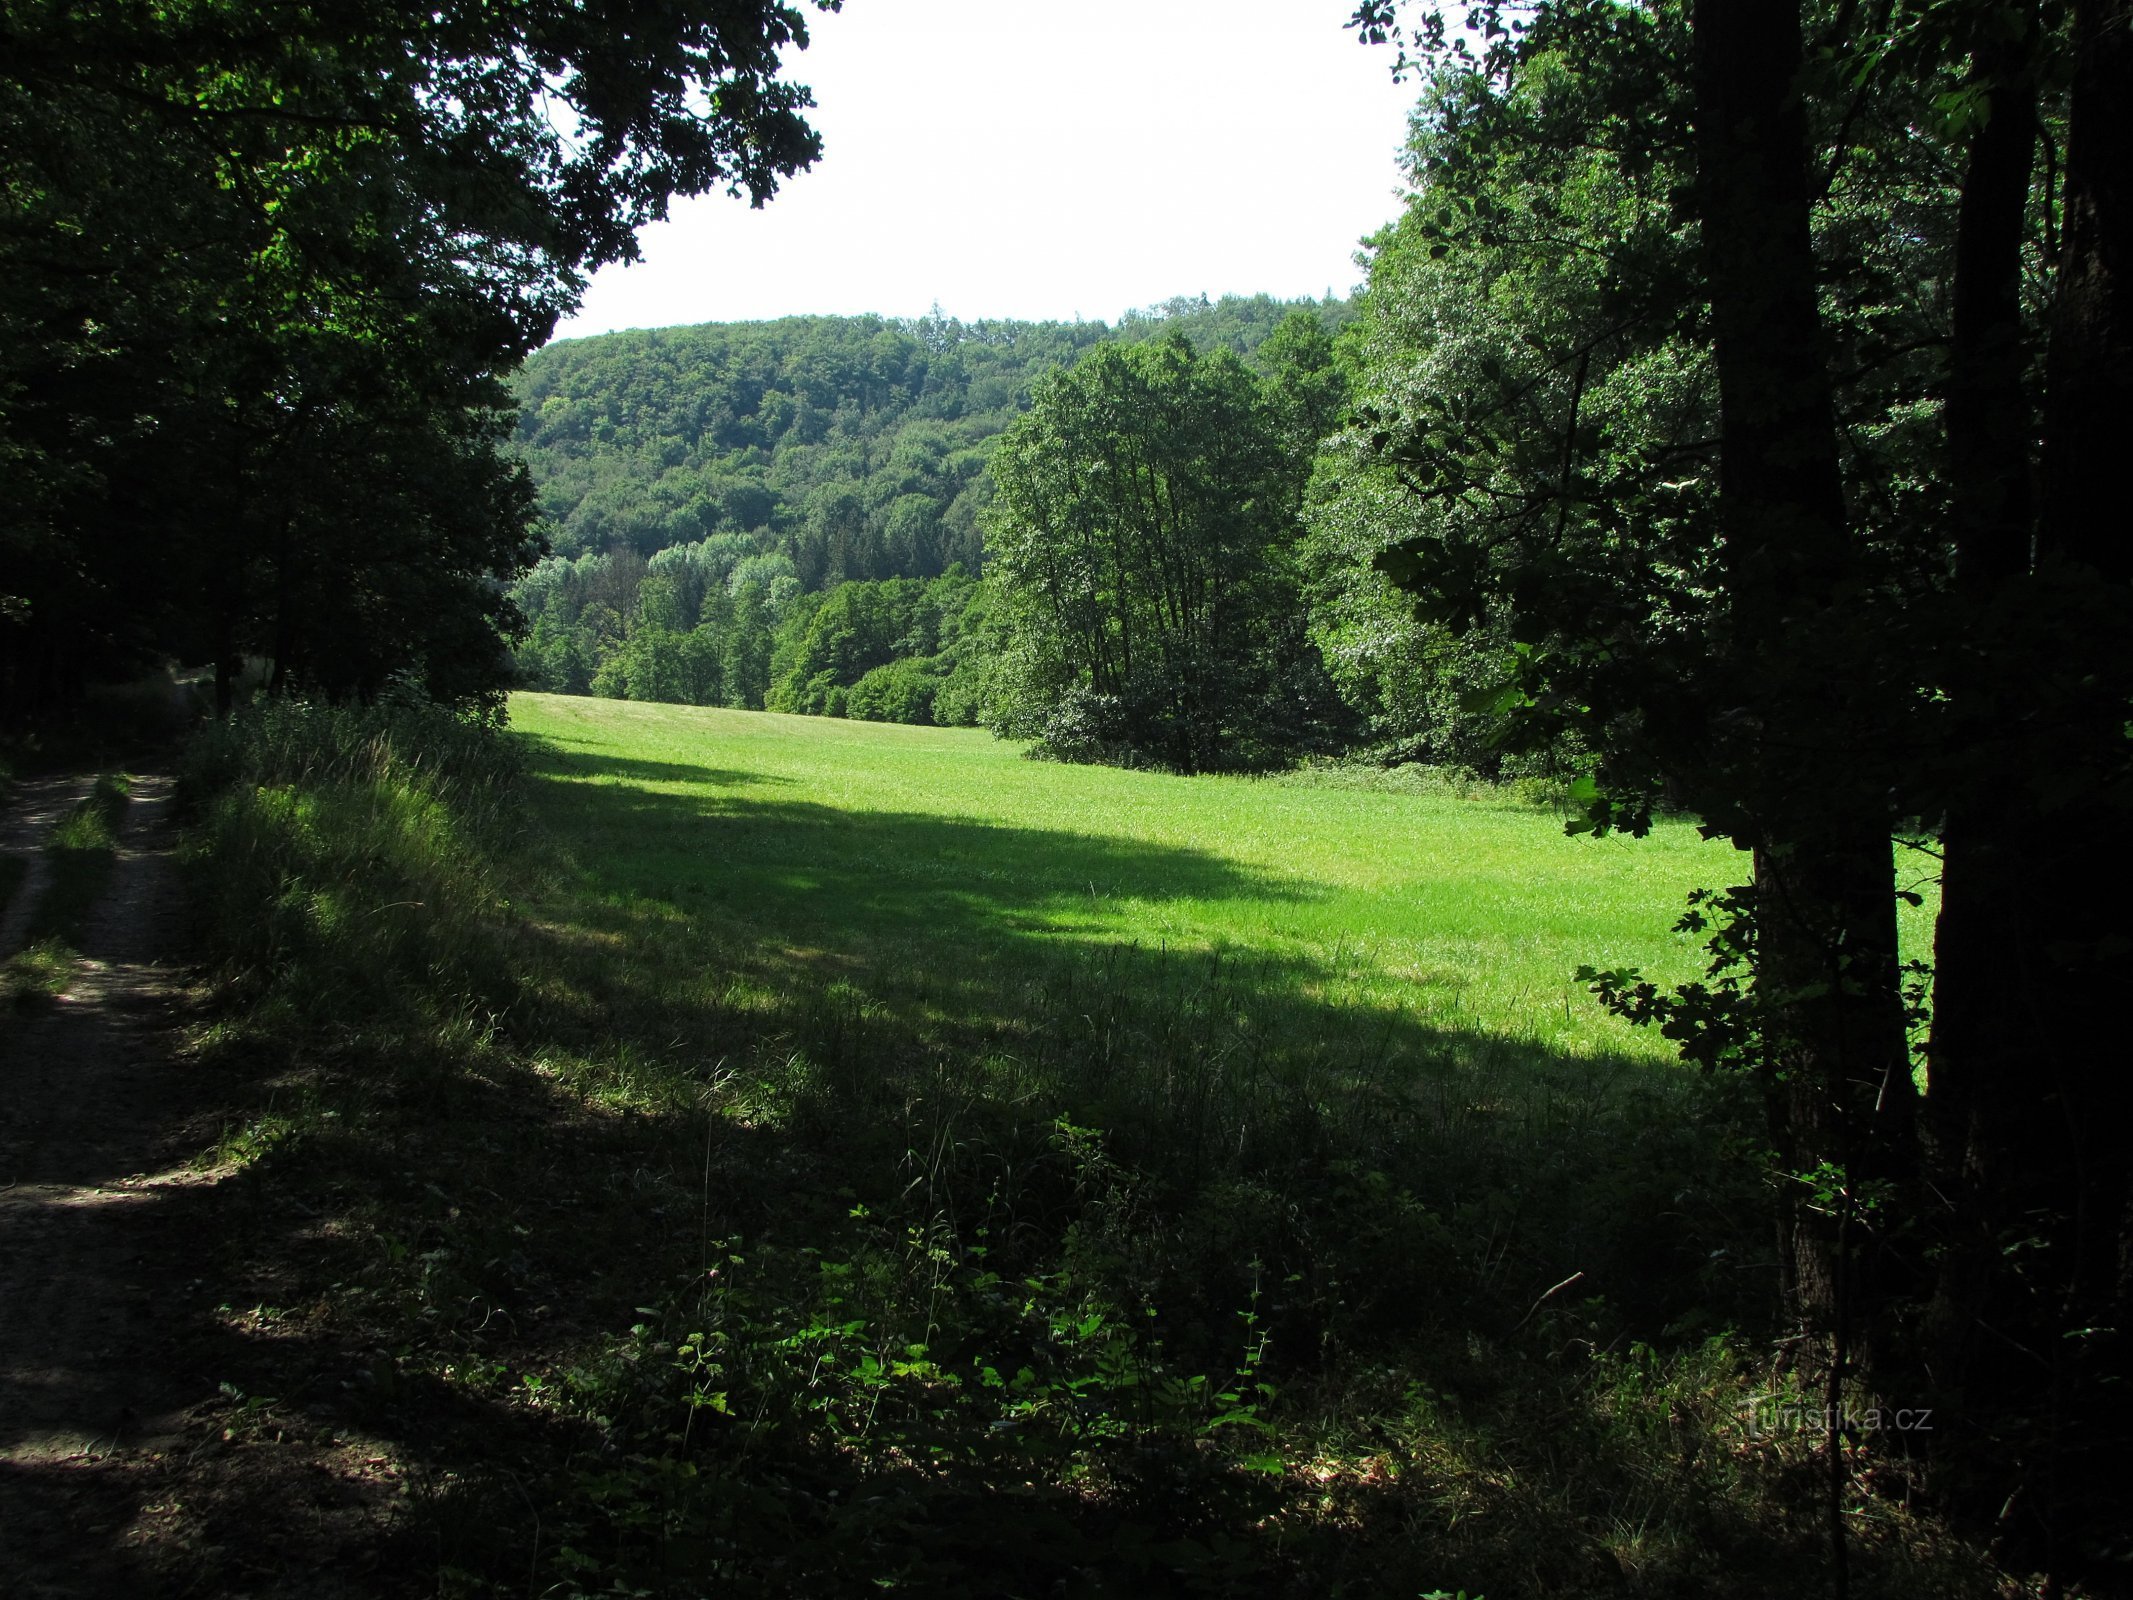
(853, 445)
(805, 516)
(702, 624)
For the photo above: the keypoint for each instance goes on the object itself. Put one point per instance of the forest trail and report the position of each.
(118, 1470)
(94, 1136)
(39, 803)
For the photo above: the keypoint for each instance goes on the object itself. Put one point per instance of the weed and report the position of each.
(81, 849)
(38, 974)
(244, 1146)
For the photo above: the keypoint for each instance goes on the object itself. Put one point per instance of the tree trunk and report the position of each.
(1986, 945)
(1809, 720)
(2028, 1091)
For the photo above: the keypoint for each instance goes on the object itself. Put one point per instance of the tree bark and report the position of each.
(1808, 720)
(2028, 1096)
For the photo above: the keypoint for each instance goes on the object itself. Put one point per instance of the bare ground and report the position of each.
(132, 1459)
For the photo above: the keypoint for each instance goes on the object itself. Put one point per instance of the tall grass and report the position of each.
(346, 862)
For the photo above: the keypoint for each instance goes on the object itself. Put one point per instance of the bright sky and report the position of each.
(1005, 158)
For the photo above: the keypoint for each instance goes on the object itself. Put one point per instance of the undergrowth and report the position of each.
(694, 1266)
(37, 973)
(82, 848)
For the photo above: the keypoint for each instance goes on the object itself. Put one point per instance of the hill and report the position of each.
(853, 445)
(754, 463)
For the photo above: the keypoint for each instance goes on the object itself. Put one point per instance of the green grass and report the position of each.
(868, 843)
(83, 848)
(975, 1176)
(36, 974)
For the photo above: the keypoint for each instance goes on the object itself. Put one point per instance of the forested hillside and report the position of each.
(852, 445)
(761, 514)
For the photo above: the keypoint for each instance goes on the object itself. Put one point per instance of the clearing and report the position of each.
(911, 851)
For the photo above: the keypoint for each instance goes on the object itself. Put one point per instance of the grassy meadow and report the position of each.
(923, 857)
(820, 1157)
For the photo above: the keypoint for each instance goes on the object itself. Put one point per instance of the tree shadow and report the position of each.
(799, 867)
(875, 956)
(738, 1029)
(549, 760)
(1421, 1188)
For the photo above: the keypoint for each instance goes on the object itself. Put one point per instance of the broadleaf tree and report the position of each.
(1141, 539)
(1743, 471)
(262, 269)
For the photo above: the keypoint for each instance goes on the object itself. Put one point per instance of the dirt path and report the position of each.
(38, 804)
(137, 1455)
(94, 1129)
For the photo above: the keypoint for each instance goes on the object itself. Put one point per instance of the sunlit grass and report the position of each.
(82, 848)
(862, 839)
(36, 974)
(80, 851)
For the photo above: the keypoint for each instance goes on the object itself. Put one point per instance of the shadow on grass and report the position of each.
(853, 962)
(891, 996)
(552, 761)
(769, 1070)
(899, 874)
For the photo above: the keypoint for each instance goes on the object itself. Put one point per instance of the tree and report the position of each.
(1811, 702)
(2028, 1327)
(263, 269)
(1742, 552)
(1139, 539)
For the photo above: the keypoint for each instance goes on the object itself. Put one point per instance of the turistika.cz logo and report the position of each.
(1771, 1417)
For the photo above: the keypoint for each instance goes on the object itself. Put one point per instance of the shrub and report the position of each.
(902, 691)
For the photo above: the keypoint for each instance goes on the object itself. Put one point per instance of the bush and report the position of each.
(1085, 726)
(902, 691)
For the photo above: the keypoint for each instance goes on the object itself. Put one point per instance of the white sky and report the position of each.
(1006, 158)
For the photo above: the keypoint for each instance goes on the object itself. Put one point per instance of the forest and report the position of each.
(755, 516)
(792, 515)
(1546, 1023)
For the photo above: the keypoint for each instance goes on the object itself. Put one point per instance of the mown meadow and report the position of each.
(780, 1155)
(904, 852)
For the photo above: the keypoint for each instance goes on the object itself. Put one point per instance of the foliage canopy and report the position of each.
(263, 270)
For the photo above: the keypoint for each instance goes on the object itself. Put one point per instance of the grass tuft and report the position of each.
(82, 849)
(37, 975)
